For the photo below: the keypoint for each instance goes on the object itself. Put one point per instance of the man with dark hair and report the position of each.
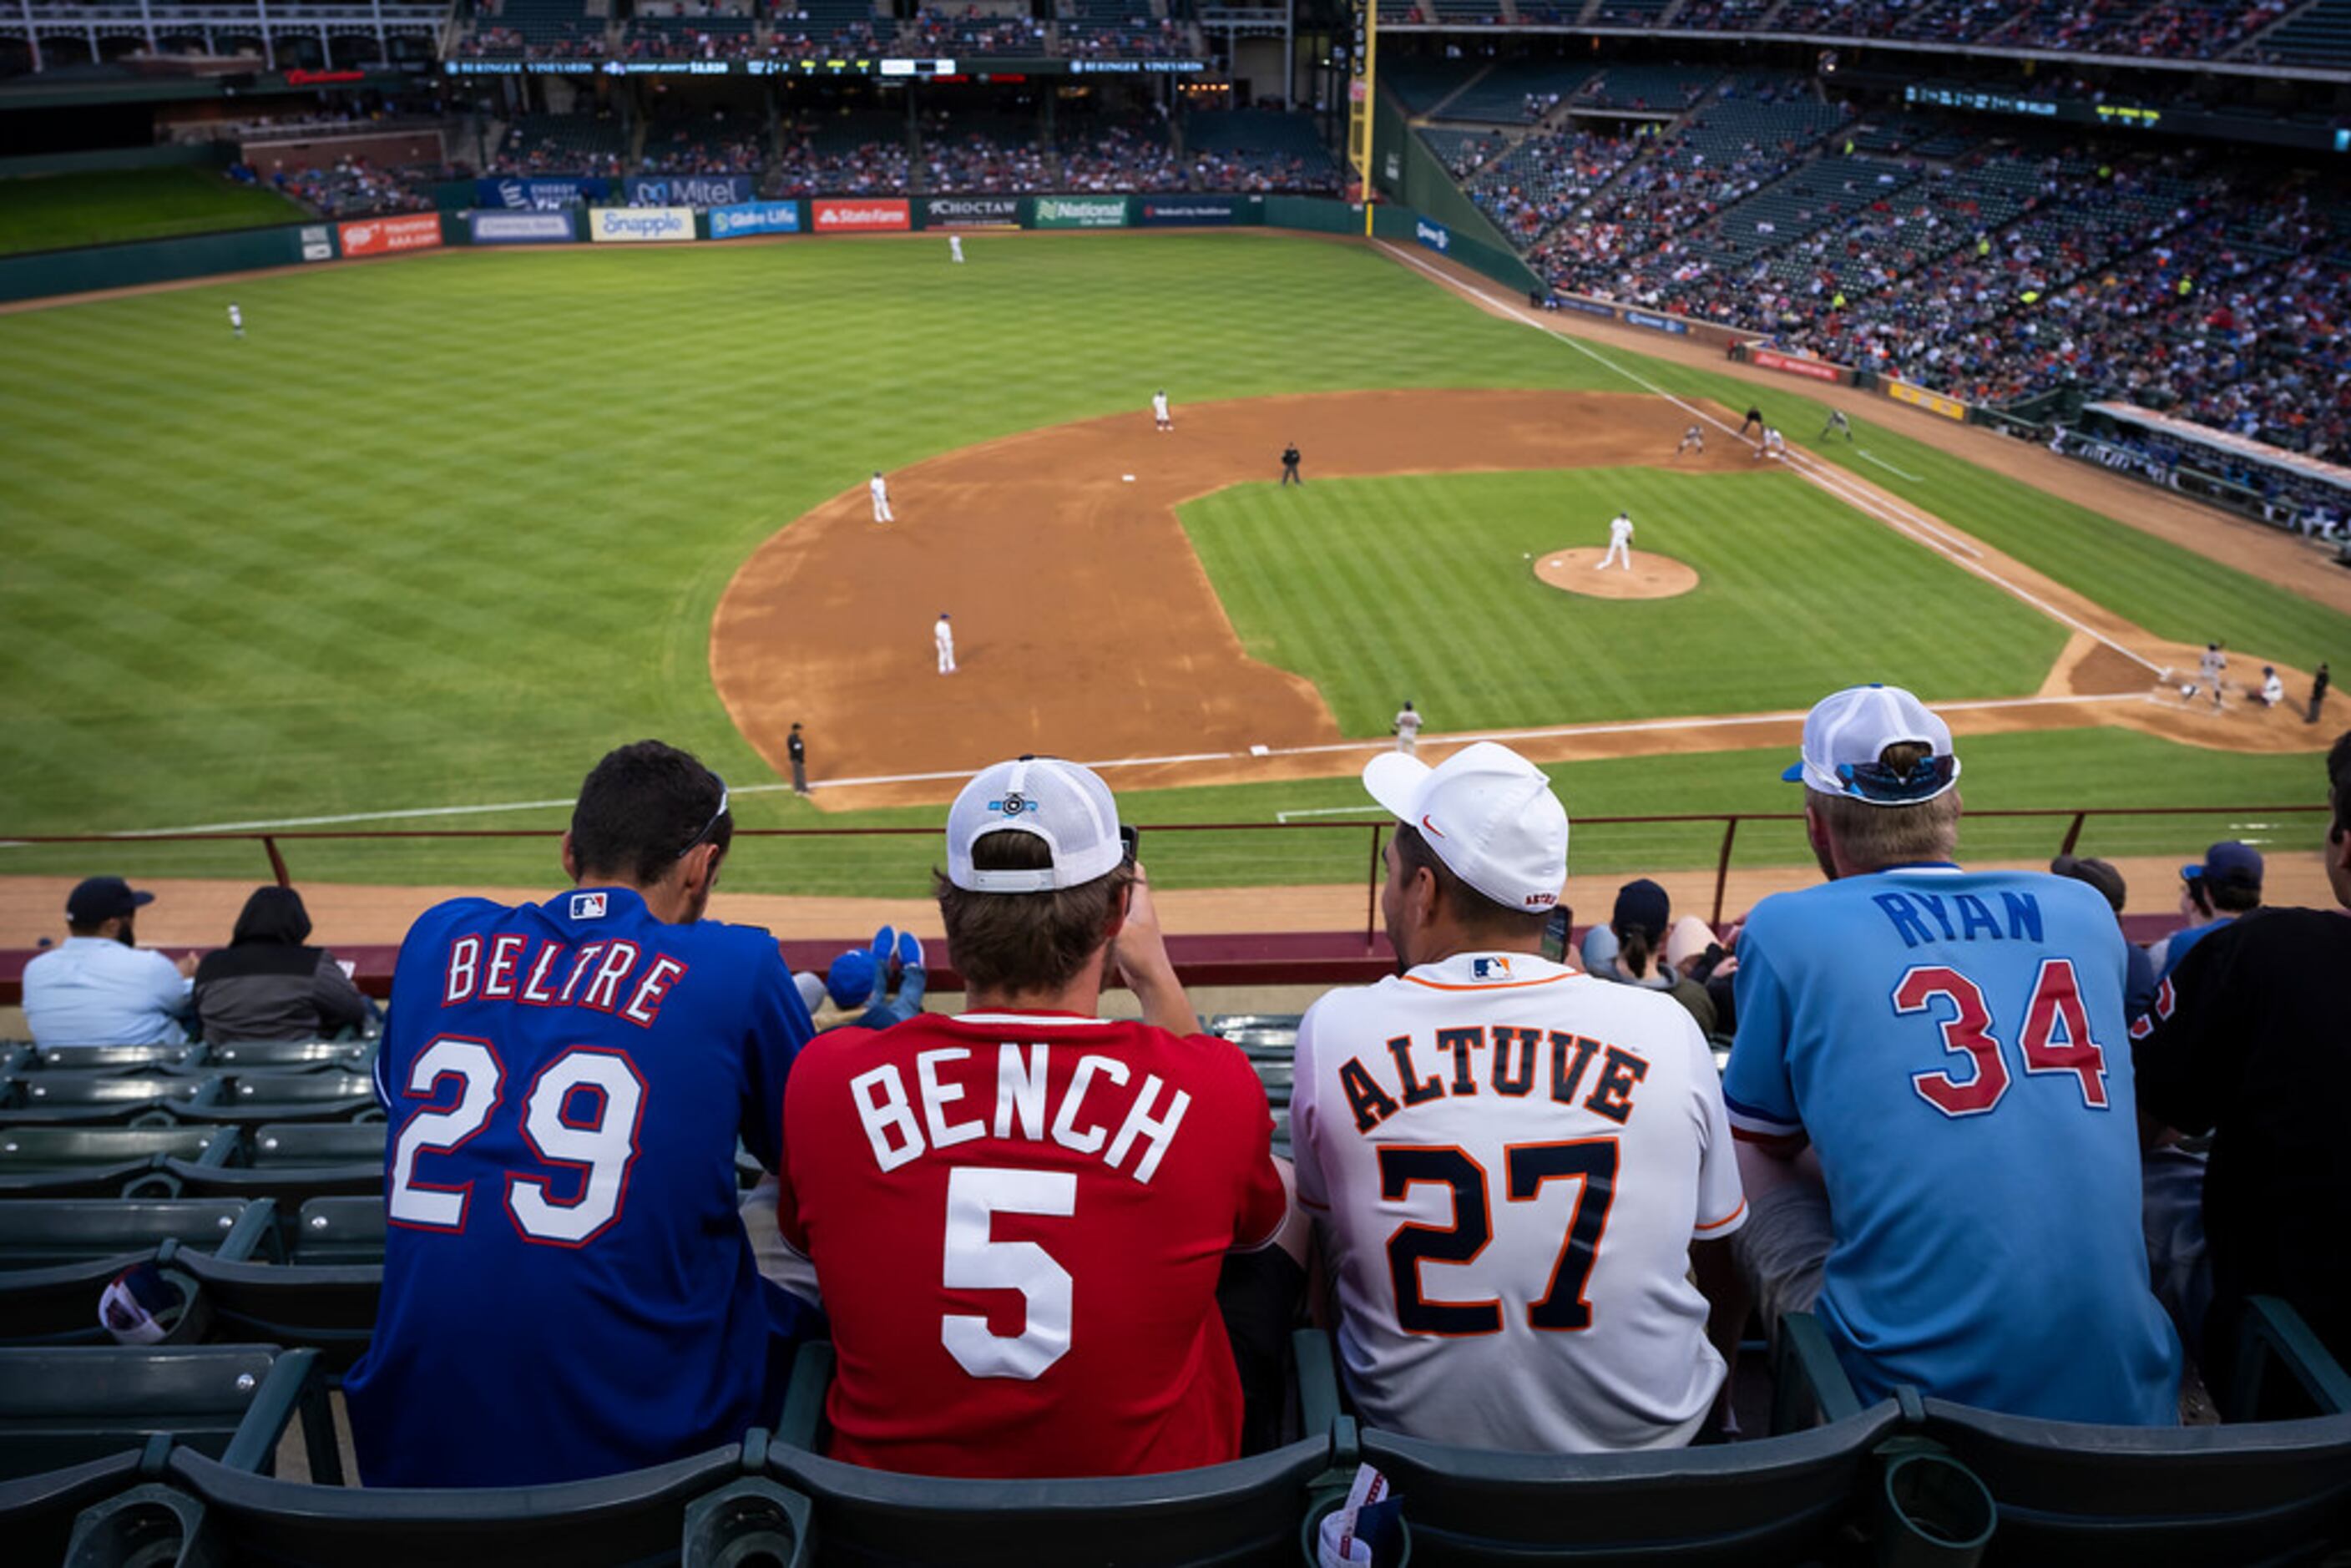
(1933, 1100)
(568, 1292)
(2225, 884)
(1017, 1214)
(1512, 1167)
(2138, 982)
(99, 987)
(2248, 1040)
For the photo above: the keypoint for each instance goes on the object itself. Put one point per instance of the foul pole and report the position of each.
(1363, 76)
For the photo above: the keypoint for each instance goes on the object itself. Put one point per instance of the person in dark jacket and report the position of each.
(265, 984)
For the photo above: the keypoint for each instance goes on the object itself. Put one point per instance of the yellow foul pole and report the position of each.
(1361, 83)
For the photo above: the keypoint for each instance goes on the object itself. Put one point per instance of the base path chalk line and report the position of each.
(1890, 511)
(1898, 473)
(1105, 765)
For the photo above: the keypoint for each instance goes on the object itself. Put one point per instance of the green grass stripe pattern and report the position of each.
(58, 212)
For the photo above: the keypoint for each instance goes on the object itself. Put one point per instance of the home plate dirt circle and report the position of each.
(1652, 576)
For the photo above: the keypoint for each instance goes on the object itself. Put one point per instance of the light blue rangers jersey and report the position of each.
(1953, 1044)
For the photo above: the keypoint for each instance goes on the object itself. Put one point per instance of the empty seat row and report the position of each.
(246, 1055)
(66, 1097)
(285, 1160)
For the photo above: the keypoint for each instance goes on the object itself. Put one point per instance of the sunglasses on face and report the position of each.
(711, 826)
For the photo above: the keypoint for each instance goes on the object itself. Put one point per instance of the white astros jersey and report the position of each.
(1507, 1162)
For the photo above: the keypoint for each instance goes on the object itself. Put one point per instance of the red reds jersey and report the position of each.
(1017, 1220)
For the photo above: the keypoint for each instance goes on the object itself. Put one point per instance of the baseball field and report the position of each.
(441, 530)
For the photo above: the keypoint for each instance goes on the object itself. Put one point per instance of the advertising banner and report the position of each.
(1158, 212)
(972, 212)
(318, 243)
(1919, 397)
(638, 225)
(1080, 213)
(540, 195)
(860, 215)
(1658, 323)
(689, 190)
(383, 236)
(520, 228)
(754, 218)
(1790, 365)
(1586, 307)
(1435, 236)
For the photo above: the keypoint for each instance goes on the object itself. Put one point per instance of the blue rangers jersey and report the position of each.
(1953, 1044)
(567, 1290)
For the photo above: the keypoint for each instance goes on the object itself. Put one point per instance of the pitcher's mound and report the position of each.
(1652, 576)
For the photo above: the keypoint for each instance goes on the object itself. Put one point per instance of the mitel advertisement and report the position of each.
(1080, 213)
(1435, 236)
(638, 224)
(754, 218)
(541, 195)
(689, 190)
(1657, 323)
(520, 228)
(384, 236)
(1161, 212)
(860, 215)
(972, 212)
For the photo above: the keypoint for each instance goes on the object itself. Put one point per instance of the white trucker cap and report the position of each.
(1488, 813)
(1063, 803)
(1847, 731)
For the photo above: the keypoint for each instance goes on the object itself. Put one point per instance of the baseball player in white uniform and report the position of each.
(1407, 729)
(954, 248)
(1161, 419)
(237, 321)
(1511, 1166)
(943, 633)
(881, 513)
(1693, 440)
(1619, 542)
(1774, 444)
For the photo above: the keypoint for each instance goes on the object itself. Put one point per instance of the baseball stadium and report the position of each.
(411, 403)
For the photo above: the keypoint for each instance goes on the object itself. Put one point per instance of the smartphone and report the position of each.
(1130, 837)
(1554, 932)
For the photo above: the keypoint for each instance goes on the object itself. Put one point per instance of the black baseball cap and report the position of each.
(1642, 906)
(102, 898)
(2100, 874)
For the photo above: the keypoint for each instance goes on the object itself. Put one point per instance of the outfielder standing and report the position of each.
(1407, 729)
(1160, 418)
(881, 513)
(1619, 542)
(1512, 1164)
(237, 321)
(943, 634)
(954, 248)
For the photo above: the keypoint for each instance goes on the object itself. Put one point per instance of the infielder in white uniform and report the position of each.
(237, 321)
(1511, 1166)
(943, 633)
(881, 513)
(1619, 542)
(1774, 444)
(1407, 729)
(1159, 416)
(954, 248)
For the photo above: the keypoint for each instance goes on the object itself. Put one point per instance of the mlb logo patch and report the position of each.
(587, 906)
(1489, 968)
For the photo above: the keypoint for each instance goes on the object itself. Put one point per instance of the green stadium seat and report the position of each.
(95, 1161)
(63, 1407)
(1250, 1511)
(292, 1163)
(708, 1511)
(323, 1296)
(55, 1098)
(246, 1055)
(57, 1256)
(338, 1230)
(38, 1513)
(79, 1058)
(330, 1096)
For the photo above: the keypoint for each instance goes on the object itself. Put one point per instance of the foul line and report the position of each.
(1898, 473)
(1106, 765)
(1822, 474)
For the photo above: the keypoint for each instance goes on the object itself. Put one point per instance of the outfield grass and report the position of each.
(439, 532)
(1415, 587)
(62, 211)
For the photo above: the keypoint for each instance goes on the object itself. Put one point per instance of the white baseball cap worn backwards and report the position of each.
(1488, 813)
(1847, 731)
(1063, 803)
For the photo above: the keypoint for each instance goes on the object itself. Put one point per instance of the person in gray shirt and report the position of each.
(265, 984)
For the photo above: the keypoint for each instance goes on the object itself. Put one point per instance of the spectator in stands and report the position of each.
(2138, 984)
(100, 987)
(2248, 1042)
(1641, 917)
(265, 984)
(1871, 1080)
(568, 1292)
(2225, 884)
(880, 984)
(1479, 1063)
(1146, 1144)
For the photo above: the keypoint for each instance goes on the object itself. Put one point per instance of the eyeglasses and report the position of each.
(1881, 785)
(711, 826)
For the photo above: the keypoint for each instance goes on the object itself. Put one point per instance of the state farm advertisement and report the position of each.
(382, 236)
(869, 214)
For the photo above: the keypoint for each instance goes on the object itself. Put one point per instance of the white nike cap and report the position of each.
(1846, 733)
(1488, 813)
(1063, 803)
